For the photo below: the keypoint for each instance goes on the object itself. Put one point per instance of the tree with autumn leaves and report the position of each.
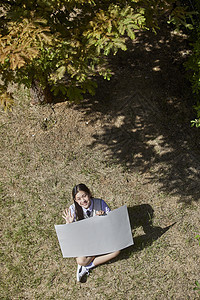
(58, 47)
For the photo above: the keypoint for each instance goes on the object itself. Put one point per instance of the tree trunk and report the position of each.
(40, 95)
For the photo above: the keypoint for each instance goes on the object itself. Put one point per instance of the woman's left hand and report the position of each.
(100, 213)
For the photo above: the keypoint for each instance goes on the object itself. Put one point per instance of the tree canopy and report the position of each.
(61, 45)
(193, 63)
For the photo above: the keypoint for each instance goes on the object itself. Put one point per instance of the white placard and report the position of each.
(97, 235)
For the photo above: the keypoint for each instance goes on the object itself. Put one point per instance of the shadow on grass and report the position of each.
(146, 110)
(142, 216)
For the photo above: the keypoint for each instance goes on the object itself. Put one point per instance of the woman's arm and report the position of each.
(104, 209)
(100, 213)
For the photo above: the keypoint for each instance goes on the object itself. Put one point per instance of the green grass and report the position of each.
(39, 166)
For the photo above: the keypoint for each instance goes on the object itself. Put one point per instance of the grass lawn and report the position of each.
(127, 153)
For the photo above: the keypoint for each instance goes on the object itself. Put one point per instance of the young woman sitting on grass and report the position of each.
(85, 206)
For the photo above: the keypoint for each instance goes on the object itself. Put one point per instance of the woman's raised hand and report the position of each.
(69, 218)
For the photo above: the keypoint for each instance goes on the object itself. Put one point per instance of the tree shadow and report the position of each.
(146, 110)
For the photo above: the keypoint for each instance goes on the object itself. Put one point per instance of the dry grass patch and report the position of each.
(131, 146)
(39, 166)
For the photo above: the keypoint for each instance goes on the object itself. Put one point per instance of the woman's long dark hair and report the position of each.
(78, 208)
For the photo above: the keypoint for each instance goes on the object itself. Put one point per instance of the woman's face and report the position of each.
(83, 199)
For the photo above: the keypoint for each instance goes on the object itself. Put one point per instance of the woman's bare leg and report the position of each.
(104, 258)
(84, 260)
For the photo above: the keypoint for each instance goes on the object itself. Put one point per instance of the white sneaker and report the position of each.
(81, 271)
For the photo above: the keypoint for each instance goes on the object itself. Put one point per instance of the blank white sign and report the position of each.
(96, 235)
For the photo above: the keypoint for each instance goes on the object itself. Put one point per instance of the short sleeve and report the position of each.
(105, 207)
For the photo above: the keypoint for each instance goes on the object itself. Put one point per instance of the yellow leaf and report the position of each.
(31, 52)
(6, 101)
(16, 61)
